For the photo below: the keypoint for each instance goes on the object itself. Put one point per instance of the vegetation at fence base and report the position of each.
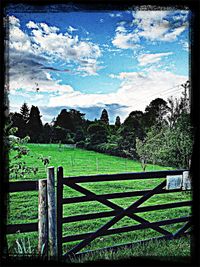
(164, 250)
(164, 126)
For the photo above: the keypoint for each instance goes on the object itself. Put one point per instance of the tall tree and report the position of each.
(77, 117)
(117, 122)
(24, 111)
(34, 125)
(104, 117)
(155, 112)
(64, 120)
(178, 106)
(135, 122)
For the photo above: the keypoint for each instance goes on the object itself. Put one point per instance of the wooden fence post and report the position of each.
(42, 219)
(52, 227)
(59, 209)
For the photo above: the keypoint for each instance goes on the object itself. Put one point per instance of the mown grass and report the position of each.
(23, 205)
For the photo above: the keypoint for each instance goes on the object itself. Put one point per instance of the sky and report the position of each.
(118, 60)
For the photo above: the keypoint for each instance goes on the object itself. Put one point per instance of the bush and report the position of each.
(80, 144)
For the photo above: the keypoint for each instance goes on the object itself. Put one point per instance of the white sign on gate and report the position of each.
(186, 181)
(174, 182)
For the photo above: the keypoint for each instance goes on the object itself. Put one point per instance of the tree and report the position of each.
(77, 117)
(98, 133)
(135, 122)
(117, 122)
(47, 133)
(168, 146)
(34, 125)
(176, 106)
(19, 123)
(155, 113)
(64, 120)
(80, 135)
(178, 142)
(126, 142)
(24, 111)
(150, 148)
(104, 117)
(18, 150)
(60, 134)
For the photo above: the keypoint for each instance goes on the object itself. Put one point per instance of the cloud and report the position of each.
(146, 59)
(151, 25)
(31, 55)
(125, 40)
(136, 91)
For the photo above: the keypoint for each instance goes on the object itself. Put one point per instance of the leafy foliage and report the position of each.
(98, 133)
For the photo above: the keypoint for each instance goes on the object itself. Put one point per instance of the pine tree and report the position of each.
(24, 111)
(117, 122)
(34, 125)
(104, 117)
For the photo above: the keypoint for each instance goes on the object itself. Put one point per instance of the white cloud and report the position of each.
(32, 25)
(125, 40)
(151, 25)
(136, 91)
(31, 54)
(146, 59)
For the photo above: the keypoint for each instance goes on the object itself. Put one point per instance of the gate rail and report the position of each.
(117, 211)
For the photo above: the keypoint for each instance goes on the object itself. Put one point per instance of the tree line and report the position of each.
(161, 134)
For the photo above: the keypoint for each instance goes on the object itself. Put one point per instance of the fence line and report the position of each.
(54, 228)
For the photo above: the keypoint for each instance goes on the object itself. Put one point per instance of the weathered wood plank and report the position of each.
(21, 228)
(59, 209)
(23, 186)
(126, 229)
(52, 228)
(121, 176)
(104, 214)
(70, 200)
(42, 219)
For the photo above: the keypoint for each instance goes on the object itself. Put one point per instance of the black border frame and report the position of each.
(194, 6)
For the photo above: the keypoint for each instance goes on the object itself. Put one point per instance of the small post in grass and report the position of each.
(52, 227)
(42, 219)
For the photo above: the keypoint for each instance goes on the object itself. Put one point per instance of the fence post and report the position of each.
(51, 212)
(59, 209)
(42, 219)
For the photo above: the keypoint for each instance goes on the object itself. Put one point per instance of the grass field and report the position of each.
(23, 205)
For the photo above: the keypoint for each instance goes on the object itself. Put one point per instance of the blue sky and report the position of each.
(118, 60)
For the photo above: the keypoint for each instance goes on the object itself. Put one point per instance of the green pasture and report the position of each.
(23, 205)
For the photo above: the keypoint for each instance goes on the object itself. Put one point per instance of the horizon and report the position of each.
(117, 60)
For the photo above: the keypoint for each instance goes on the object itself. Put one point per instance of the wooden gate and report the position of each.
(117, 211)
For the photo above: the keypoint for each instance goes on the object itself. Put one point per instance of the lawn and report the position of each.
(23, 205)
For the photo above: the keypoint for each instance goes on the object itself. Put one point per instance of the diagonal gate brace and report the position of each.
(122, 213)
